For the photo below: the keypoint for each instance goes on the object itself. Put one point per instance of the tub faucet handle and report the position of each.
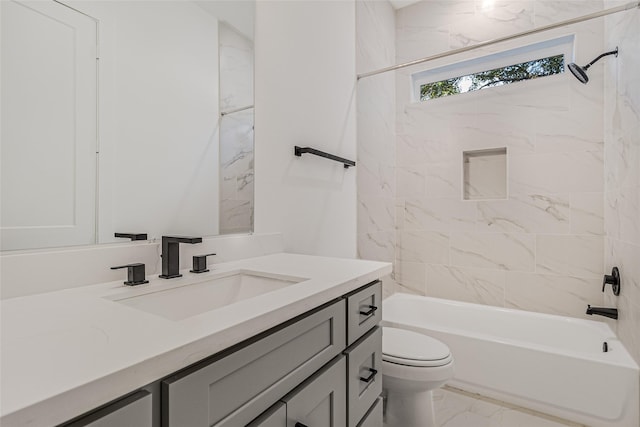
(613, 280)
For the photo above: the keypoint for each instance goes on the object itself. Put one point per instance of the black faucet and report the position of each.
(171, 254)
(603, 311)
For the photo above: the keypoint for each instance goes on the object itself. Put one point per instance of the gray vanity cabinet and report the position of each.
(320, 369)
(236, 388)
(134, 410)
(321, 400)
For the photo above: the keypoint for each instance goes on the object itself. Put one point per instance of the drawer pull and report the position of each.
(372, 309)
(370, 377)
(300, 425)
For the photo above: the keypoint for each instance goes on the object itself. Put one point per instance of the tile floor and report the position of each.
(456, 408)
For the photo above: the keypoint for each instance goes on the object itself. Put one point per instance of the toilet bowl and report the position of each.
(413, 365)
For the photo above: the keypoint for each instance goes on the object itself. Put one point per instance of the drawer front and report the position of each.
(374, 416)
(234, 390)
(321, 400)
(364, 374)
(276, 416)
(132, 411)
(364, 311)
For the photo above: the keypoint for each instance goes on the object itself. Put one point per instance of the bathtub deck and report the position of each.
(456, 408)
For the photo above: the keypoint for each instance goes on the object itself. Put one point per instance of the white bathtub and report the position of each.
(552, 364)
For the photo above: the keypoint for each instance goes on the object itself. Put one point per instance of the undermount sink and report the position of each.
(188, 300)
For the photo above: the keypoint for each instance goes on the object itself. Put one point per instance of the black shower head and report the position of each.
(581, 72)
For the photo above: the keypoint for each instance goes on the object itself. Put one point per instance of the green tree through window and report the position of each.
(496, 77)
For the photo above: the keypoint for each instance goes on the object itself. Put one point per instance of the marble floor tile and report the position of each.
(459, 409)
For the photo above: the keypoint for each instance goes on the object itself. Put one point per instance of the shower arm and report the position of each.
(613, 52)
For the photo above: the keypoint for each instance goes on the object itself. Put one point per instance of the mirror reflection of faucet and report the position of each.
(603, 311)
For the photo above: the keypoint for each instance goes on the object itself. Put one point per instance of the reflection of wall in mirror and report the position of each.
(236, 132)
(49, 101)
(158, 167)
(158, 127)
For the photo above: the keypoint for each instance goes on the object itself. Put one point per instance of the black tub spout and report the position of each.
(603, 311)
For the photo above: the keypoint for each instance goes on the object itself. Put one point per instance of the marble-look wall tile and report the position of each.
(412, 275)
(622, 176)
(553, 173)
(563, 295)
(480, 286)
(423, 246)
(380, 246)
(375, 25)
(552, 129)
(628, 325)
(236, 172)
(375, 214)
(444, 180)
(578, 256)
(236, 68)
(625, 256)
(440, 214)
(506, 251)
(551, 11)
(622, 210)
(376, 153)
(533, 213)
(501, 19)
(587, 213)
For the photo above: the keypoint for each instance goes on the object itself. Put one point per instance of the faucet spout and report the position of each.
(603, 311)
(171, 254)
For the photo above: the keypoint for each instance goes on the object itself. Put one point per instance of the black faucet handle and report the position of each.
(135, 274)
(200, 263)
(613, 280)
(132, 236)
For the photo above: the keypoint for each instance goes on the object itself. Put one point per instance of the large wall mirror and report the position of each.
(125, 116)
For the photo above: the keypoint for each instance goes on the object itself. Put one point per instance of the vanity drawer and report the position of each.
(364, 375)
(232, 391)
(374, 416)
(364, 310)
(134, 410)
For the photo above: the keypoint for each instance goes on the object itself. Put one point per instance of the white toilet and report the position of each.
(413, 365)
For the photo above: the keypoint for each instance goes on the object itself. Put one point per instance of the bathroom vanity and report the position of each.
(303, 351)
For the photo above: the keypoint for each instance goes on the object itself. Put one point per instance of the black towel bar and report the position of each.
(299, 151)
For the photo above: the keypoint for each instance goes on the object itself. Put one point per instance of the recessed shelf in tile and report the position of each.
(485, 174)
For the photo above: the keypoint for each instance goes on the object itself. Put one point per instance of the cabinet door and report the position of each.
(374, 416)
(132, 411)
(321, 400)
(276, 416)
(364, 374)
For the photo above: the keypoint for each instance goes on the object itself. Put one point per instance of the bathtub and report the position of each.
(551, 364)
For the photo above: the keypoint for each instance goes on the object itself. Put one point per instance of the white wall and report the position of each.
(305, 83)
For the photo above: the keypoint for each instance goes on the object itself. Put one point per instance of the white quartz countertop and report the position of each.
(64, 353)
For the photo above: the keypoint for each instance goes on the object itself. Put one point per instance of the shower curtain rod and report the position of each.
(628, 6)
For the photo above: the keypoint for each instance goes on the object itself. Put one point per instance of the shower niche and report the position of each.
(485, 174)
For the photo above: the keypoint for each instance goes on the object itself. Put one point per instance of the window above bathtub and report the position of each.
(533, 61)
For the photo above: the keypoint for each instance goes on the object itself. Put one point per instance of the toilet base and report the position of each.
(409, 409)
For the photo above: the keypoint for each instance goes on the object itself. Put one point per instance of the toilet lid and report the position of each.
(411, 348)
